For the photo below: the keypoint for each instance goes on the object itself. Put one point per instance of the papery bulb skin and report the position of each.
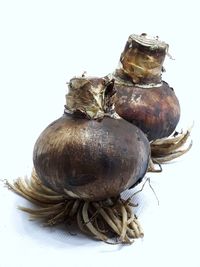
(155, 111)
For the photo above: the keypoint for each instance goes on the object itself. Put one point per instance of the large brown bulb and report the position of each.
(156, 110)
(91, 159)
(142, 97)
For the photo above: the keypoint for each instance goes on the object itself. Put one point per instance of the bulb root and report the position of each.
(167, 149)
(110, 220)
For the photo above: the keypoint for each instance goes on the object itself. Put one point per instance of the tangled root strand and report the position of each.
(111, 220)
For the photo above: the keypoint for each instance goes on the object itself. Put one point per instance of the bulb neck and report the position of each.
(141, 62)
(92, 97)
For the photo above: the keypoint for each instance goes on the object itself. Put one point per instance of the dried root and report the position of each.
(153, 167)
(111, 220)
(166, 149)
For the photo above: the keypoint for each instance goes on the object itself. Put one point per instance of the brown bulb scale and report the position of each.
(155, 110)
(91, 159)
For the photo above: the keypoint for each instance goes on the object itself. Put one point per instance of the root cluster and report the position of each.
(166, 149)
(111, 220)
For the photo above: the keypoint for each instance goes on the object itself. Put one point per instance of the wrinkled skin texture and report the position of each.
(156, 110)
(92, 159)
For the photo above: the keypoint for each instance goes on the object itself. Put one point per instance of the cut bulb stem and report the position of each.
(141, 62)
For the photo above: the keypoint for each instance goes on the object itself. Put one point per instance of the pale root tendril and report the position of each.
(111, 220)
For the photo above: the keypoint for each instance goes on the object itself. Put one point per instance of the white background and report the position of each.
(42, 45)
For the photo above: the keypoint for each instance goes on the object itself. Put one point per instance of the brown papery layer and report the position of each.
(142, 60)
(156, 110)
